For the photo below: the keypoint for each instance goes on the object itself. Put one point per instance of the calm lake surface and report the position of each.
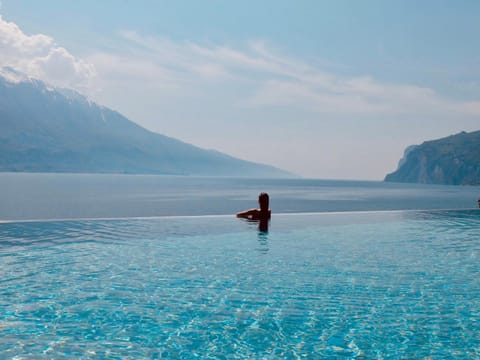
(61, 196)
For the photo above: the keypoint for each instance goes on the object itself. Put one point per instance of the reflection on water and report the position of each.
(262, 242)
(263, 235)
(261, 227)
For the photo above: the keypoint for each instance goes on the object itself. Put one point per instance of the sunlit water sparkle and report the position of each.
(353, 285)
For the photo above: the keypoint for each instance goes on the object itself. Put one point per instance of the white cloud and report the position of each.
(40, 57)
(270, 79)
(318, 123)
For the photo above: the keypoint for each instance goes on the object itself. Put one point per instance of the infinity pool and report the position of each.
(351, 285)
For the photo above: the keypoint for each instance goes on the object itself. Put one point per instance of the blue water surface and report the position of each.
(65, 196)
(354, 285)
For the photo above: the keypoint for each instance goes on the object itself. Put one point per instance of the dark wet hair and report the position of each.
(263, 201)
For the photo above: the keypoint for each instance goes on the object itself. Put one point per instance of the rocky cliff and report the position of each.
(453, 160)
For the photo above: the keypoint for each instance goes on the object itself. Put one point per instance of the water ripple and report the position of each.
(346, 286)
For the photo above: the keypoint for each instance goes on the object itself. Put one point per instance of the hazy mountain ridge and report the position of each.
(50, 130)
(453, 160)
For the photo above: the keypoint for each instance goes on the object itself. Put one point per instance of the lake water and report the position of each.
(60, 196)
(374, 284)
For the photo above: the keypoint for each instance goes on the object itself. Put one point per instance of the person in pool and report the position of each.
(263, 213)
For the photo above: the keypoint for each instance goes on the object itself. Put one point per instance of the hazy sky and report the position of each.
(326, 89)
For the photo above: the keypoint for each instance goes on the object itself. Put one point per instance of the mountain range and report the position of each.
(46, 129)
(453, 160)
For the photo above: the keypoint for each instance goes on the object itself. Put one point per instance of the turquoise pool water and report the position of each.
(351, 285)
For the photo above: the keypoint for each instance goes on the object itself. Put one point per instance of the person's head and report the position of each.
(263, 201)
